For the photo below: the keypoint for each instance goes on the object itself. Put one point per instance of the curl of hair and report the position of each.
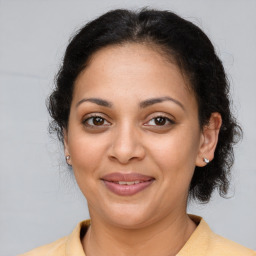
(180, 41)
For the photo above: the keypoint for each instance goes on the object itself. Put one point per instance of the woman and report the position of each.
(141, 104)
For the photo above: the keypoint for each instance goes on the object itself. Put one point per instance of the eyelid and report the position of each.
(100, 114)
(96, 114)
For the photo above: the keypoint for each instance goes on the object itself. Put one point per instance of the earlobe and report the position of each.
(209, 140)
(66, 148)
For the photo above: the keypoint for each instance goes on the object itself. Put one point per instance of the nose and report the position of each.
(126, 145)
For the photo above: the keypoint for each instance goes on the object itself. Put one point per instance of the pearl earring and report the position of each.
(206, 160)
(67, 158)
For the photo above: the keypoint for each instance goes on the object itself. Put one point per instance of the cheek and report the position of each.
(87, 151)
(175, 153)
(87, 155)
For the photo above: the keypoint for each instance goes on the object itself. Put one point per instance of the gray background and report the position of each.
(39, 200)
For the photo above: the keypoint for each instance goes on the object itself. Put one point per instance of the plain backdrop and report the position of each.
(39, 199)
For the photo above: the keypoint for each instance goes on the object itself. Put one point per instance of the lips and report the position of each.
(127, 184)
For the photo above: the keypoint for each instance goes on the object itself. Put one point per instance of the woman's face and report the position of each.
(133, 136)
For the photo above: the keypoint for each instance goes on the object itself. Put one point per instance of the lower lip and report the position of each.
(127, 190)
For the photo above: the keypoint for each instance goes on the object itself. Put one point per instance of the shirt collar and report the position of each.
(73, 244)
(198, 242)
(196, 245)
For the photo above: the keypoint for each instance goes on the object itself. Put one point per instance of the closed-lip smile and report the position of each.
(126, 184)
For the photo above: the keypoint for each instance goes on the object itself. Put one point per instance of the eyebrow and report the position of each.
(143, 104)
(149, 102)
(97, 101)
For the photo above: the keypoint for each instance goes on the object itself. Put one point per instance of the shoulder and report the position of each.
(204, 242)
(56, 248)
(226, 247)
(69, 245)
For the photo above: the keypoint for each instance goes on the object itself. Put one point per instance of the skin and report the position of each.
(127, 138)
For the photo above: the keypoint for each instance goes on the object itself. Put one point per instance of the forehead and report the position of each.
(133, 55)
(139, 69)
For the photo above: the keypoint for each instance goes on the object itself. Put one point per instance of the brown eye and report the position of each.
(160, 120)
(97, 120)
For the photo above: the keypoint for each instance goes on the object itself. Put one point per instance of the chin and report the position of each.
(128, 216)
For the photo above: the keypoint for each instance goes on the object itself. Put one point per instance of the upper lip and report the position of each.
(117, 176)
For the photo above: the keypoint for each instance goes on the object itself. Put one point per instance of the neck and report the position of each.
(163, 238)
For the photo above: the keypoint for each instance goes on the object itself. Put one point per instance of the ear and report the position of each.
(209, 139)
(66, 148)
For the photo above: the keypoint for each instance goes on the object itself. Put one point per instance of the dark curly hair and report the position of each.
(183, 43)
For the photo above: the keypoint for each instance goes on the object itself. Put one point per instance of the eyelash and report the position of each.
(92, 117)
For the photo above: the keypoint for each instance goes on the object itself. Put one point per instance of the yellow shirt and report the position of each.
(202, 242)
